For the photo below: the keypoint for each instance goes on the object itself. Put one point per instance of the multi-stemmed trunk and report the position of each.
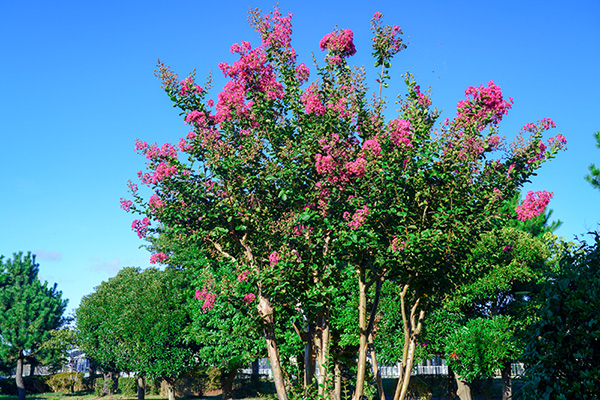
(265, 310)
(412, 329)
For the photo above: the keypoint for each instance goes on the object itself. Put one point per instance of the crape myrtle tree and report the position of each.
(29, 310)
(296, 184)
(143, 316)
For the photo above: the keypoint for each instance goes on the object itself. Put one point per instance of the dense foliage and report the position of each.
(29, 310)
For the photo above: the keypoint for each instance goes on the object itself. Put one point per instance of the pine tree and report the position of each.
(29, 310)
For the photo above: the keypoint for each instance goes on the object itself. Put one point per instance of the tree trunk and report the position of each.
(141, 390)
(255, 377)
(451, 385)
(464, 389)
(376, 371)
(506, 381)
(32, 364)
(412, 329)
(227, 377)
(171, 389)
(323, 353)
(337, 386)
(109, 383)
(362, 327)
(265, 310)
(19, 376)
(309, 356)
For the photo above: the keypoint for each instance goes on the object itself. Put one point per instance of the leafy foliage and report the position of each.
(563, 350)
(594, 176)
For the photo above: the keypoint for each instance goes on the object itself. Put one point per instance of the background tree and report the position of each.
(147, 322)
(563, 345)
(29, 310)
(594, 176)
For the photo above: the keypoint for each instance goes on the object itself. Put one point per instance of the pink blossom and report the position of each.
(533, 205)
(158, 257)
(399, 130)
(249, 298)
(209, 298)
(141, 227)
(485, 106)
(377, 15)
(339, 43)
(126, 204)
(302, 73)
(274, 258)
(356, 168)
(156, 203)
(397, 244)
(188, 86)
(373, 146)
(312, 102)
(359, 218)
(243, 277)
(325, 164)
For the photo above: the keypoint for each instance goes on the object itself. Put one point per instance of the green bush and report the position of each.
(128, 386)
(65, 382)
(8, 386)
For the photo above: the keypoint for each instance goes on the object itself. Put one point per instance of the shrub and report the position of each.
(66, 382)
(128, 386)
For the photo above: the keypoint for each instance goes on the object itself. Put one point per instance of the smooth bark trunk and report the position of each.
(19, 377)
(464, 389)
(171, 390)
(337, 386)
(506, 381)
(265, 310)
(309, 357)
(323, 353)
(141, 390)
(412, 329)
(451, 385)
(376, 371)
(227, 378)
(111, 382)
(362, 326)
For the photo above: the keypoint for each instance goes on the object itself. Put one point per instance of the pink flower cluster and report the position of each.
(486, 106)
(274, 258)
(279, 34)
(372, 146)
(397, 244)
(540, 126)
(249, 298)
(356, 168)
(339, 43)
(126, 204)
(534, 204)
(188, 86)
(209, 298)
(399, 130)
(158, 258)
(424, 100)
(141, 227)
(243, 277)
(312, 102)
(302, 73)
(156, 203)
(165, 151)
(359, 218)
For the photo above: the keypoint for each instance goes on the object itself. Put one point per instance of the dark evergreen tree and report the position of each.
(29, 310)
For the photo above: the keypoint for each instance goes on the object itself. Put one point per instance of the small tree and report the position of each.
(145, 324)
(29, 310)
(594, 176)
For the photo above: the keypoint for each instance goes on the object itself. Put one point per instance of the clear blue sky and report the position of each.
(77, 87)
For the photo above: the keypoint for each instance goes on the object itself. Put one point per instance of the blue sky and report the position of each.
(77, 87)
